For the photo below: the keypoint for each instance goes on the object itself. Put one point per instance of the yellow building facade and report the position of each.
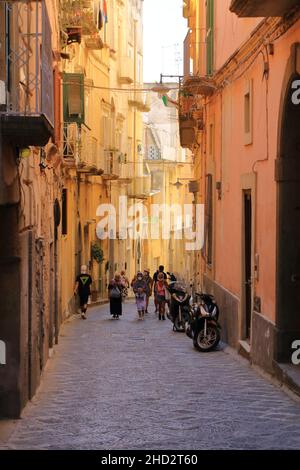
(102, 140)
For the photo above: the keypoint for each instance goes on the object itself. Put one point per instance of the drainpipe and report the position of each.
(56, 325)
(30, 393)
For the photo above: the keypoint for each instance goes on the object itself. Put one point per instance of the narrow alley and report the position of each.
(138, 385)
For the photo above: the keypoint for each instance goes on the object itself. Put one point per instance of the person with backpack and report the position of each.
(115, 290)
(83, 289)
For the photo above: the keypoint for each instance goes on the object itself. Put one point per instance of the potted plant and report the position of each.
(96, 255)
(97, 252)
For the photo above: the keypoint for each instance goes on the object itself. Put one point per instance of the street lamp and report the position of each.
(160, 88)
(178, 184)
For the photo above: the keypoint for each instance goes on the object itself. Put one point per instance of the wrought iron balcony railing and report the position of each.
(81, 149)
(79, 18)
(26, 108)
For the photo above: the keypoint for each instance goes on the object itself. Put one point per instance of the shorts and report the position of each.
(160, 298)
(83, 299)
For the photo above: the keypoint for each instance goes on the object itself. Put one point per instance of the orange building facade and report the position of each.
(240, 115)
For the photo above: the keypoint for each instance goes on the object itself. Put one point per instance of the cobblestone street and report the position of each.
(129, 384)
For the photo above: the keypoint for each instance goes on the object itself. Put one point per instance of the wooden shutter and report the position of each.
(73, 97)
(210, 22)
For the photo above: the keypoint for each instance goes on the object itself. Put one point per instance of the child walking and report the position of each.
(139, 286)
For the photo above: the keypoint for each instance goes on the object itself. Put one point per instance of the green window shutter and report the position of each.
(73, 97)
(210, 17)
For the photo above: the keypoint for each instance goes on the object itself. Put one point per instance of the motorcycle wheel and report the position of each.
(208, 343)
(188, 330)
(178, 326)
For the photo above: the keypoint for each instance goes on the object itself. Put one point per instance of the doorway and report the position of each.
(247, 275)
(288, 218)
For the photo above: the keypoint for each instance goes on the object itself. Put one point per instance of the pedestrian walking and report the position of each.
(83, 289)
(161, 290)
(139, 287)
(149, 281)
(125, 281)
(155, 275)
(115, 289)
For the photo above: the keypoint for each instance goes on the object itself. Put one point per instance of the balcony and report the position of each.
(79, 18)
(139, 99)
(187, 132)
(94, 42)
(81, 150)
(26, 107)
(196, 85)
(90, 157)
(187, 123)
(140, 188)
(262, 8)
(112, 165)
(126, 70)
(126, 170)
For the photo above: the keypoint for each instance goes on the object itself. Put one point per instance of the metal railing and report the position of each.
(139, 98)
(28, 60)
(195, 50)
(81, 146)
(78, 14)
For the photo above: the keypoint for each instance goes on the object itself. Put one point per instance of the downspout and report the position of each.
(56, 324)
(30, 393)
(134, 131)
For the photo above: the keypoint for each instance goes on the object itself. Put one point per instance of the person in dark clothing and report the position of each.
(149, 282)
(160, 270)
(115, 290)
(83, 289)
(155, 275)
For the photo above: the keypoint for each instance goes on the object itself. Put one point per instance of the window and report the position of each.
(248, 113)
(73, 97)
(210, 13)
(64, 202)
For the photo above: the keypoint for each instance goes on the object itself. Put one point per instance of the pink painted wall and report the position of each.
(230, 31)
(238, 159)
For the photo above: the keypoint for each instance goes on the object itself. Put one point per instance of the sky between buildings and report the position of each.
(164, 32)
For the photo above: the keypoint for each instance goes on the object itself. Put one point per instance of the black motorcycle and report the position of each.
(179, 305)
(202, 324)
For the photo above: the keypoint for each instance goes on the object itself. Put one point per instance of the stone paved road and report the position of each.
(137, 385)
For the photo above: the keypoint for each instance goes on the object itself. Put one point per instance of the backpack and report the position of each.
(115, 293)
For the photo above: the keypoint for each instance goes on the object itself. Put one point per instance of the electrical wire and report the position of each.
(126, 90)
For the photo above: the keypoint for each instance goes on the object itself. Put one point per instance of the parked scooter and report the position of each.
(179, 305)
(202, 323)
